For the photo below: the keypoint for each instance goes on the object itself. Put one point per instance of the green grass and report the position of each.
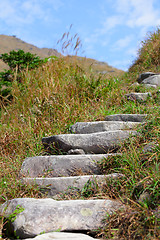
(52, 98)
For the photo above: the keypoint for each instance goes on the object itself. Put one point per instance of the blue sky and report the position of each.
(110, 30)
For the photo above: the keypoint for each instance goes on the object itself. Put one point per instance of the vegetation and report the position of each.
(17, 62)
(148, 55)
(59, 93)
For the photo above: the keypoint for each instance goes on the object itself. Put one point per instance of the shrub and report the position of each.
(17, 61)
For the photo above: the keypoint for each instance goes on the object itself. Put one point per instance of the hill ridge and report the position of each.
(9, 43)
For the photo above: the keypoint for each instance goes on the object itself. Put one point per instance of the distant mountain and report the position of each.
(95, 66)
(9, 43)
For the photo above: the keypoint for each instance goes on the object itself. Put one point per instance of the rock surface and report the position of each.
(150, 147)
(100, 142)
(153, 80)
(62, 165)
(48, 215)
(57, 185)
(62, 236)
(138, 96)
(77, 151)
(100, 126)
(150, 86)
(145, 75)
(127, 117)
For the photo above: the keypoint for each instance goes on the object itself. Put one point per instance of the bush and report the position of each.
(20, 60)
(17, 61)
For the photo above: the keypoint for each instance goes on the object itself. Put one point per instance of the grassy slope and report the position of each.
(8, 43)
(57, 95)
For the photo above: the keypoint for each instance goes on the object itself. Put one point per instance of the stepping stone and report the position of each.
(127, 117)
(100, 142)
(145, 75)
(150, 86)
(153, 80)
(149, 147)
(76, 151)
(62, 236)
(138, 96)
(100, 126)
(57, 185)
(35, 216)
(62, 165)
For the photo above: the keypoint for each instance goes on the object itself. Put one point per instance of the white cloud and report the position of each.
(122, 6)
(138, 13)
(56, 4)
(7, 9)
(122, 43)
(18, 13)
(110, 23)
(132, 14)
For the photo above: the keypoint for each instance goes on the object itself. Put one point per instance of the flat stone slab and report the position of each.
(35, 216)
(57, 185)
(127, 117)
(62, 236)
(138, 96)
(100, 126)
(150, 86)
(100, 142)
(62, 165)
(145, 75)
(154, 80)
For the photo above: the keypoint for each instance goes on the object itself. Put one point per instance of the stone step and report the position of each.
(100, 126)
(36, 216)
(153, 80)
(62, 236)
(62, 165)
(99, 143)
(145, 75)
(127, 117)
(57, 185)
(134, 96)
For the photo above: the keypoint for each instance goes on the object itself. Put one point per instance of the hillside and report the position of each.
(8, 43)
(99, 135)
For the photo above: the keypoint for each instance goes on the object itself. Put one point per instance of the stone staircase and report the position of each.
(74, 163)
(93, 140)
(56, 174)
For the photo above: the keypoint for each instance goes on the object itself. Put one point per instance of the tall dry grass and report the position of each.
(50, 99)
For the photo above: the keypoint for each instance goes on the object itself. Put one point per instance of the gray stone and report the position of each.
(76, 151)
(138, 96)
(150, 86)
(100, 126)
(62, 236)
(61, 165)
(127, 117)
(145, 75)
(57, 185)
(100, 142)
(144, 197)
(154, 80)
(135, 84)
(150, 147)
(35, 216)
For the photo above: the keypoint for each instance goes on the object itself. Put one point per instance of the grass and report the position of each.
(56, 95)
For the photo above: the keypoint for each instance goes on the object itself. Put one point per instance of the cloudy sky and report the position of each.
(110, 30)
